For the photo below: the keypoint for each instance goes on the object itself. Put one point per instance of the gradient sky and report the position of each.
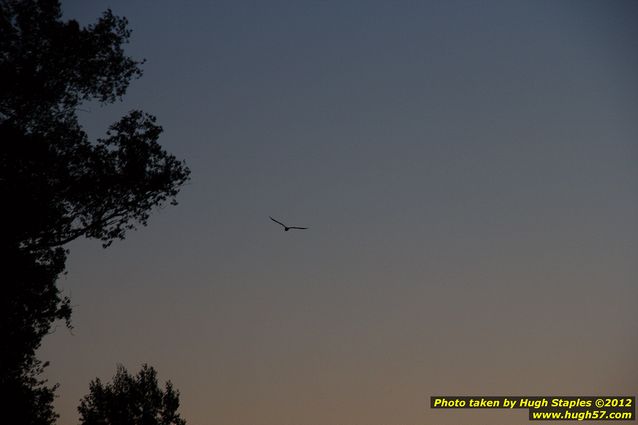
(469, 174)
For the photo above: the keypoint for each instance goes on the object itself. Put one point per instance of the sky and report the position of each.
(468, 173)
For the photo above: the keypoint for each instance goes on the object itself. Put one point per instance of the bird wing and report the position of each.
(295, 227)
(278, 222)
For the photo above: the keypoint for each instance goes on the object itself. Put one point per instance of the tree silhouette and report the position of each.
(131, 400)
(55, 184)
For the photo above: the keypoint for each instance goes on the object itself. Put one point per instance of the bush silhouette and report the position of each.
(131, 400)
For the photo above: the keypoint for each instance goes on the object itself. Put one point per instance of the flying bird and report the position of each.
(286, 228)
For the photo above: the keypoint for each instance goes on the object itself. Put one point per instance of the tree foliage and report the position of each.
(56, 185)
(131, 400)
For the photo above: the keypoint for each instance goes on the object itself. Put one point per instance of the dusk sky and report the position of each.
(469, 174)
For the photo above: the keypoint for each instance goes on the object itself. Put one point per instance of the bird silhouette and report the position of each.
(286, 228)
